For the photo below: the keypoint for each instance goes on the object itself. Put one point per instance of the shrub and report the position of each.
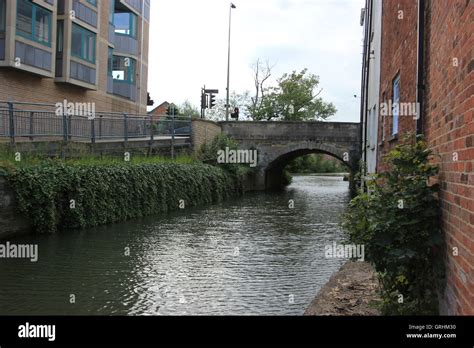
(111, 192)
(398, 222)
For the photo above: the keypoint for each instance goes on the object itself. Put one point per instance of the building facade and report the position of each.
(426, 69)
(371, 82)
(76, 50)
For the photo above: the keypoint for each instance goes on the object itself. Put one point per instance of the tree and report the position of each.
(295, 99)
(262, 73)
(189, 110)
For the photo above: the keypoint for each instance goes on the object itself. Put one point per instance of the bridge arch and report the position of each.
(274, 165)
(279, 142)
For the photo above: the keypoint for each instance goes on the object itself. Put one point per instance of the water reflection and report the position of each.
(251, 256)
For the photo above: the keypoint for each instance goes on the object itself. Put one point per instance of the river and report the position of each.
(249, 256)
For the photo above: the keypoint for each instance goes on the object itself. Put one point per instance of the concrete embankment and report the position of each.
(352, 291)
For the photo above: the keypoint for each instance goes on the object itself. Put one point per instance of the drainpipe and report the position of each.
(420, 86)
(365, 100)
(362, 85)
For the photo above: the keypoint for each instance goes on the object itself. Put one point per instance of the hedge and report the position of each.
(55, 196)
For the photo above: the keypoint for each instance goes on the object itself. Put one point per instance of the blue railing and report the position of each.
(34, 121)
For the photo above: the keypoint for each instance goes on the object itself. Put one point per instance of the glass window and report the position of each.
(83, 43)
(92, 2)
(396, 104)
(42, 25)
(33, 22)
(2, 15)
(125, 23)
(24, 18)
(123, 69)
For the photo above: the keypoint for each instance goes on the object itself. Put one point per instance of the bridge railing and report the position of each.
(35, 121)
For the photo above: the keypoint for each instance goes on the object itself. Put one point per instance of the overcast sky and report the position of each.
(188, 46)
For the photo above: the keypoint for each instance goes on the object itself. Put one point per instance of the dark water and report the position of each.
(250, 256)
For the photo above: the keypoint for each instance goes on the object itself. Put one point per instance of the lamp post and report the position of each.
(232, 6)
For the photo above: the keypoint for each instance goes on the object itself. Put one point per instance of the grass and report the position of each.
(8, 160)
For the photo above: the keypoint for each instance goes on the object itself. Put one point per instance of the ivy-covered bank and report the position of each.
(55, 195)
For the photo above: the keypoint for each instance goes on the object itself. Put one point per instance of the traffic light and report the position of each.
(172, 110)
(203, 101)
(212, 101)
(235, 114)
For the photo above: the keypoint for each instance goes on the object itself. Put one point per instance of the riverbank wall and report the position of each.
(49, 198)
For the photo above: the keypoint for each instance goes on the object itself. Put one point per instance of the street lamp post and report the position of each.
(232, 6)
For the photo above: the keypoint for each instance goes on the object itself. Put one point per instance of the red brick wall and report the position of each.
(449, 130)
(448, 120)
(399, 56)
(160, 110)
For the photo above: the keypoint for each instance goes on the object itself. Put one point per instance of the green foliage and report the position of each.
(189, 110)
(209, 152)
(398, 222)
(293, 99)
(109, 192)
(315, 163)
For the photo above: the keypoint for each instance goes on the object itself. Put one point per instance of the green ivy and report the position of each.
(113, 192)
(398, 222)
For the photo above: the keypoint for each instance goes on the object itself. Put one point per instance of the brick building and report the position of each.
(426, 69)
(76, 50)
(160, 110)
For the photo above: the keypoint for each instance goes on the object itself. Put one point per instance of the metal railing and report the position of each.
(35, 121)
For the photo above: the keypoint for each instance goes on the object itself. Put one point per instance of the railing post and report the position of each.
(69, 127)
(32, 127)
(65, 127)
(11, 118)
(93, 130)
(125, 127)
(152, 131)
(100, 126)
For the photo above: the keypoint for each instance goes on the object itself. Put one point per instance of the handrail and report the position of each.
(19, 122)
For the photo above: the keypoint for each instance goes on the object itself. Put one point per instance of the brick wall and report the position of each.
(204, 132)
(399, 56)
(449, 130)
(448, 120)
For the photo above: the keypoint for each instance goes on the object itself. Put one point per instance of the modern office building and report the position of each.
(93, 51)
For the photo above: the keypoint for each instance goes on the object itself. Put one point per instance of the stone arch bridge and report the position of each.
(278, 143)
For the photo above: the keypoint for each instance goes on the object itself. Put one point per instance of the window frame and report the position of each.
(34, 8)
(83, 55)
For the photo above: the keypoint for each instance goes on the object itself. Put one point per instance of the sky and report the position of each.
(189, 38)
